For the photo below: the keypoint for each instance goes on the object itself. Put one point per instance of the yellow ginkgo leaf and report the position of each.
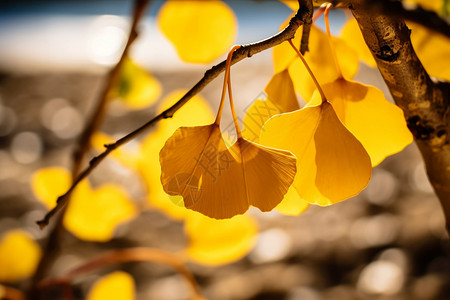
(432, 48)
(114, 286)
(332, 164)
(281, 98)
(136, 87)
(201, 31)
(50, 183)
(379, 125)
(195, 112)
(124, 155)
(216, 242)
(19, 256)
(93, 215)
(319, 58)
(220, 182)
(292, 204)
(352, 35)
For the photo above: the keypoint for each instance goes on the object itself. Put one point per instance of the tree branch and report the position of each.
(243, 52)
(307, 9)
(425, 102)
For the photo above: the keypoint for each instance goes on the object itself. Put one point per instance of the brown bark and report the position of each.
(425, 101)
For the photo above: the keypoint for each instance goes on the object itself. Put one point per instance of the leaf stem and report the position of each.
(330, 41)
(230, 95)
(226, 78)
(322, 95)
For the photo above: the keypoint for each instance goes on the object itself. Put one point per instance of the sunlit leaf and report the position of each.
(50, 183)
(352, 35)
(136, 87)
(200, 31)
(19, 256)
(93, 215)
(319, 58)
(433, 49)
(281, 98)
(216, 242)
(114, 286)
(292, 204)
(220, 182)
(379, 125)
(195, 112)
(332, 164)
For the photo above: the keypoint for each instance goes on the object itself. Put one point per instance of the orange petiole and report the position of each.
(322, 95)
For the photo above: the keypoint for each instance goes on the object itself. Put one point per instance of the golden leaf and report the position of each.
(220, 182)
(281, 98)
(432, 48)
(201, 31)
(91, 215)
(136, 87)
(19, 256)
(216, 242)
(195, 112)
(332, 164)
(116, 285)
(352, 35)
(379, 125)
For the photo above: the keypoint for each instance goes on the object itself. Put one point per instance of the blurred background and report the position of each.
(389, 242)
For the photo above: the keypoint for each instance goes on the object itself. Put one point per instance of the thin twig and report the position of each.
(124, 256)
(307, 9)
(243, 52)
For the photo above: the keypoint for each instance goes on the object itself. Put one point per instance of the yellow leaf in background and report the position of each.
(352, 35)
(220, 182)
(123, 154)
(281, 98)
(280, 90)
(379, 125)
(293, 4)
(50, 183)
(195, 112)
(200, 31)
(114, 286)
(93, 215)
(433, 49)
(216, 242)
(292, 204)
(19, 256)
(332, 164)
(136, 87)
(434, 5)
(319, 58)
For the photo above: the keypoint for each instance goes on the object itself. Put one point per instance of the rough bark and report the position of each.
(425, 101)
